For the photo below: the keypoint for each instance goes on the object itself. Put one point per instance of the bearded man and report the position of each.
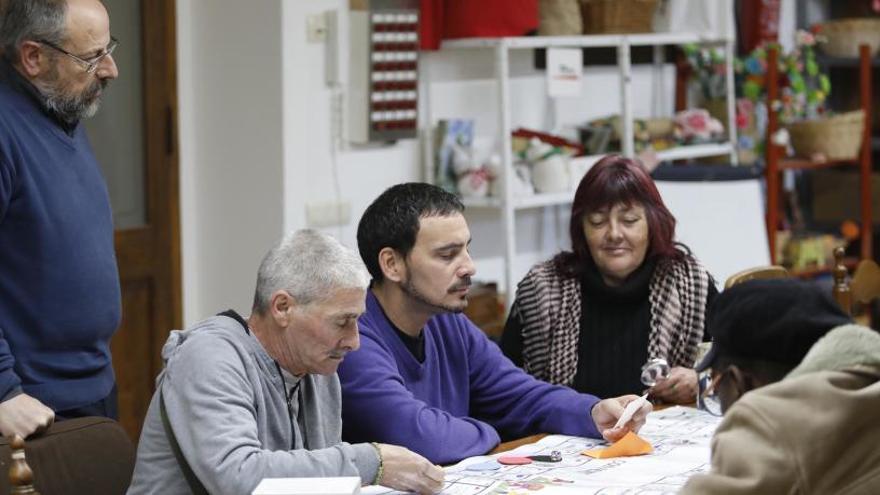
(59, 289)
(426, 377)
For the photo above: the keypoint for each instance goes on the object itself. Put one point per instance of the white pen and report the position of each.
(630, 409)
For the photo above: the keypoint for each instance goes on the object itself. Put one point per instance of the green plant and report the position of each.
(804, 88)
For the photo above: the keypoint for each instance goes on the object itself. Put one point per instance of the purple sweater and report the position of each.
(450, 406)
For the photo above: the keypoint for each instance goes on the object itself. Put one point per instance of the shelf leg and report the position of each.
(502, 72)
(865, 165)
(729, 55)
(659, 96)
(624, 65)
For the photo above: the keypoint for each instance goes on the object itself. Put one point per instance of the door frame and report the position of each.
(149, 256)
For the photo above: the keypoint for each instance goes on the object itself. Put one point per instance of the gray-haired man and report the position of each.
(241, 400)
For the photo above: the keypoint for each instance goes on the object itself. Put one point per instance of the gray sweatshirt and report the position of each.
(225, 402)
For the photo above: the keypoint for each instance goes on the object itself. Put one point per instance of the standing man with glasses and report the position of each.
(799, 386)
(59, 285)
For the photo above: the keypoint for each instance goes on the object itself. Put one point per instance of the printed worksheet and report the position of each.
(680, 437)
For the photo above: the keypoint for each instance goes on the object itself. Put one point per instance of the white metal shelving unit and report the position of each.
(507, 203)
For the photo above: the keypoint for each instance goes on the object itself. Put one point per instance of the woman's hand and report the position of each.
(680, 387)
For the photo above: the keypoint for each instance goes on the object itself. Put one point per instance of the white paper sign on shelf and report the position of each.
(564, 72)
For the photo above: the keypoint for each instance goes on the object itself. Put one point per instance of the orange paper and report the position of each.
(630, 444)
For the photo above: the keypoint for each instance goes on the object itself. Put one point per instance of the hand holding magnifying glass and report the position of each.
(656, 369)
(674, 385)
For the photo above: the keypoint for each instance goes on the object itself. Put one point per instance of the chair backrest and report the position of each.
(756, 273)
(865, 283)
(863, 287)
(85, 455)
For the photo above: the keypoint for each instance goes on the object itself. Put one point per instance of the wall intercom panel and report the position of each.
(384, 67)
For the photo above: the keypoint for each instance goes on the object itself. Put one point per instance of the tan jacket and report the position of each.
(816, 431)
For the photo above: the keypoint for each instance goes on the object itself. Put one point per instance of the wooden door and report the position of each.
(135, 139)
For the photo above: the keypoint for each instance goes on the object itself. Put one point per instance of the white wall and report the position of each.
(256, 141)
(231, 153)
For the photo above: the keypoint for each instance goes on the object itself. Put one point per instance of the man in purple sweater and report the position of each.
(425, 377)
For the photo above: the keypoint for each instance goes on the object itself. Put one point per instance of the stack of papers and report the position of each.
(345, 485)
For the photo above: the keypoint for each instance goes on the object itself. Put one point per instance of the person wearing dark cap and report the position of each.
(799, 386)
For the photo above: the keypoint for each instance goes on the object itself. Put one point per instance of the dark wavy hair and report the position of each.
(614, 180)
(393, 220)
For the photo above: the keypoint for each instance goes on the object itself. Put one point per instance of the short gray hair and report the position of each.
(22, 20)
(310, 266)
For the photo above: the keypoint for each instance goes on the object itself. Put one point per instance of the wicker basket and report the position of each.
(837, 138)
(618, 16)
(843, 36)
(560, 18)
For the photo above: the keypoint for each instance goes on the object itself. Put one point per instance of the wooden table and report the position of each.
(512, 444)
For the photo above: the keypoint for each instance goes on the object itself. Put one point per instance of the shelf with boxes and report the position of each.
(506, 201)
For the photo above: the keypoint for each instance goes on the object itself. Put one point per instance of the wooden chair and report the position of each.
(85, 455)
(756, 273)
(864, 286)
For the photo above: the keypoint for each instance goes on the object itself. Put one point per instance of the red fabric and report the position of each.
(450, 19)
(431, 24)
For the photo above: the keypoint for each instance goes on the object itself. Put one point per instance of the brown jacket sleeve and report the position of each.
(747, 457)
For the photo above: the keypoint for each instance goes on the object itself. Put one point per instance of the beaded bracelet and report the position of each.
(381, 470)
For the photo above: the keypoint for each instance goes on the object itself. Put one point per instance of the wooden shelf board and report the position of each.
(538, 200)
(807, 164)
(830, 61)
(695, 151)
(585, 41)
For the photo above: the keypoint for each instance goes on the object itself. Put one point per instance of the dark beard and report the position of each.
(70, 108)
(410, 289)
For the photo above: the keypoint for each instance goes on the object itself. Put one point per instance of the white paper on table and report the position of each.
(342, 485)
(680, 437)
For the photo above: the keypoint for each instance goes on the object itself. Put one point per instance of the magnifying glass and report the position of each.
(654, 370)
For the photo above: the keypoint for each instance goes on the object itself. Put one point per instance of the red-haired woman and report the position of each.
(626, 293)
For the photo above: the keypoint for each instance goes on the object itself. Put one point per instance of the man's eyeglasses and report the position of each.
(91, 64)
(707, 397)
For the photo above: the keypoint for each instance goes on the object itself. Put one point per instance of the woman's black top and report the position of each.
(613, 342)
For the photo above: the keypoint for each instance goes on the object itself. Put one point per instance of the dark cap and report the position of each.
(775, 320)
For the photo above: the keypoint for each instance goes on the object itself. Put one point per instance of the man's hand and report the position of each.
(680, 387)
(24, 415)
(606, 412)
(407, 471)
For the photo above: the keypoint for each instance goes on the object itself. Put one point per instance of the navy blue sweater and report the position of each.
(59, 285)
